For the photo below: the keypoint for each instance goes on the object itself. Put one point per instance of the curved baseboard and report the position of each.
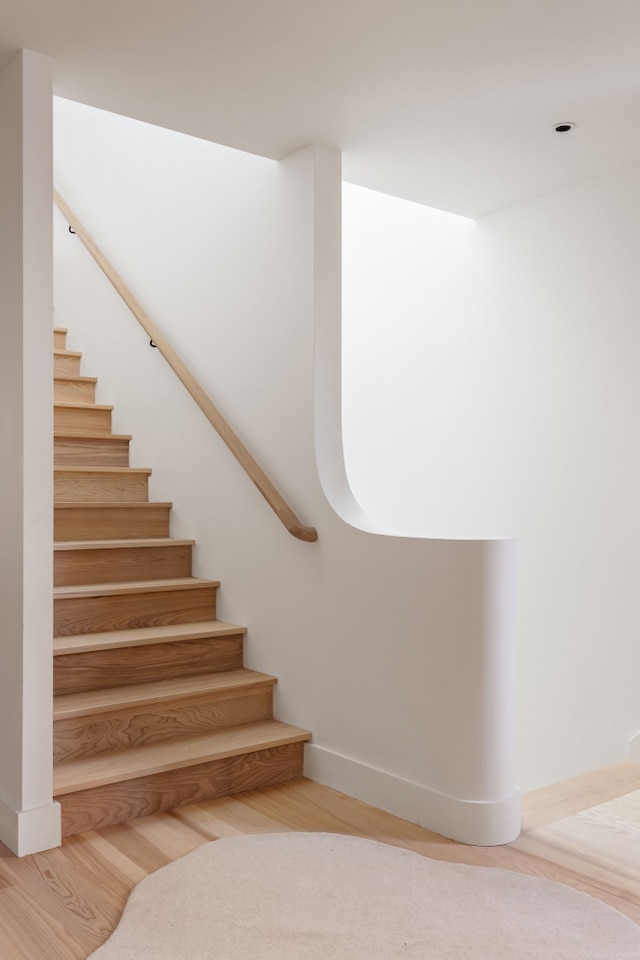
(482, 823)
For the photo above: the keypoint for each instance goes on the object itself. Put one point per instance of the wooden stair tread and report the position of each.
(183, 752)
(67, 353)
(135, 586)
(62, 545)
(113, 505)
(59, 434)
(74, 379)
(103, 470)
(60, 330)
(68, 705)
(79, 405)
(143, 636)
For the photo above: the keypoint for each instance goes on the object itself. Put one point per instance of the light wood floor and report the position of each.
(62, 904)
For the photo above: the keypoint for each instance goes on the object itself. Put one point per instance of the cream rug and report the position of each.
(306, 896)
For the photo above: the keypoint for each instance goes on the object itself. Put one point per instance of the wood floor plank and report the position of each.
(571, 796)
(165, 832)
(28, 930)
(66, 905)
(551, 861)
(597, 850)
(608, 833)
(229, 817)
(93, 851)
(137, 847)
(61, 904)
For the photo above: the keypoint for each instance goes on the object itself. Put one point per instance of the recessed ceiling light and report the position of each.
(563, 127)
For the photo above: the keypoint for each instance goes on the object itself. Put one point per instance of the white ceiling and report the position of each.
(447, 102)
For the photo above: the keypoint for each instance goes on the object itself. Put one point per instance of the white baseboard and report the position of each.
(483, 823)
(30, 831)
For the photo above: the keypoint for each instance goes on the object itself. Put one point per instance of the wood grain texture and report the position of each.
(144, 636)
(93, 608)
(104, 521)
(99, 807)
(66, 363)
(148, 760)
(160, 720)
(570, 796)
(606, 837)
(100, 450)
(142, 663)
(217, 686)
(62, 904)
(96, 484)
(118, 717)
(609, 832)
(153, 714)
(101, 560)
(81, 418)
(59, 338)
(82, 591)
(74, 389)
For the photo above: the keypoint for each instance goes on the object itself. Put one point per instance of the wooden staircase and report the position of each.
(153, 708)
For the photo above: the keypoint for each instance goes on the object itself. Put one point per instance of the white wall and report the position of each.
(491, 389)
(396, 653)
(29, 821)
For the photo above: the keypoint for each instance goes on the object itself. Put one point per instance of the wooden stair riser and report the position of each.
(66, 363)
(116, 803)
(86, 485)
(81, 419)
(135, 726)
(105, 669)
(122, 564)
(106, 451)
(59, 338)
(118, 611)
(110, 521)
(74, 389)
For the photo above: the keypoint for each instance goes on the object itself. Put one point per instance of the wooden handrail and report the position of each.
(211, 412)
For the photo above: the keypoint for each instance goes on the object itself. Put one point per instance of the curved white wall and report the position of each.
(491, 389)
(397, 653)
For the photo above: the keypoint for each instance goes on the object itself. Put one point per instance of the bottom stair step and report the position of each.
(97, 792)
